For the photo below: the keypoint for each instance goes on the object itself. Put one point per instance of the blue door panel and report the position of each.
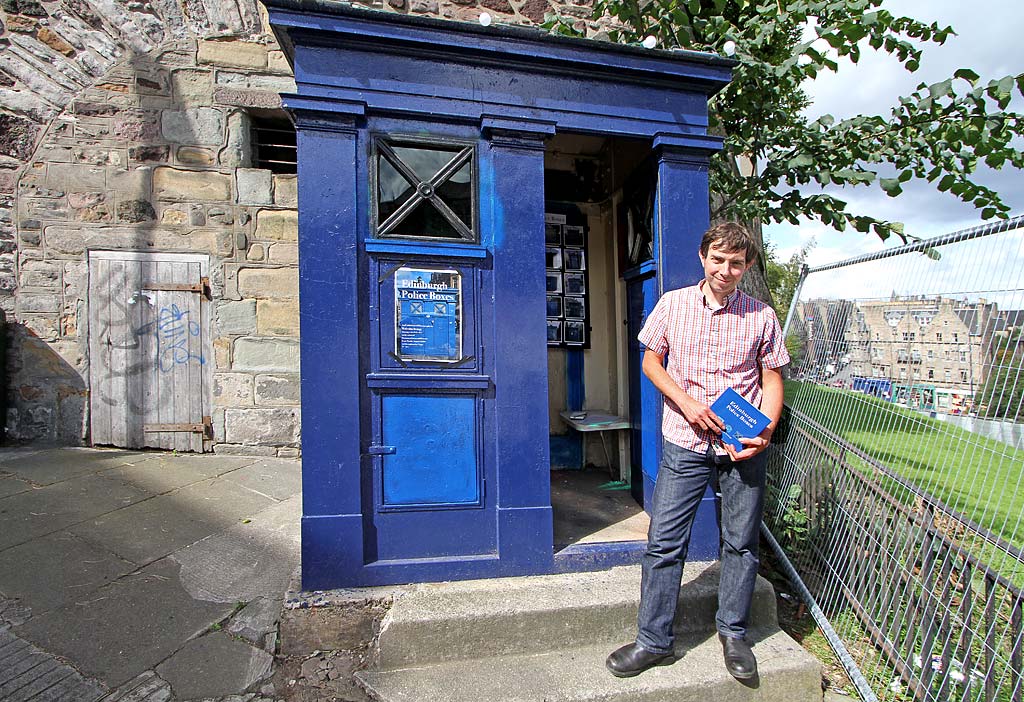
(434, 439)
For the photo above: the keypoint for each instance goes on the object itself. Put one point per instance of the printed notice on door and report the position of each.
(428, 311)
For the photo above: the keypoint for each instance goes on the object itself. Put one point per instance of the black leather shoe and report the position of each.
(633, 659)
(739, 659)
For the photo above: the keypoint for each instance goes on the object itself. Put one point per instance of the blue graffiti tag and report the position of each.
(172, 333)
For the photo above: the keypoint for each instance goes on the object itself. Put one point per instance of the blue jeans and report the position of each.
(682, 480)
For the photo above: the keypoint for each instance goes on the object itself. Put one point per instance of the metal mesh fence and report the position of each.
(896, 486)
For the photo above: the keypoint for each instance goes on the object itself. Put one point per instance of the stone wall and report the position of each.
(125, 125)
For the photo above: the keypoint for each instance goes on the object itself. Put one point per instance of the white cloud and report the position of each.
(988, 42)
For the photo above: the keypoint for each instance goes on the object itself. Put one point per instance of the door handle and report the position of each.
(380, 450)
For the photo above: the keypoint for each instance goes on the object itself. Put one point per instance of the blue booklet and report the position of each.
(741, 418)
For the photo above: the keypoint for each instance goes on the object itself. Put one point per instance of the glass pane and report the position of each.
(392, 187)
(425, 220)
(457, 193)
(425, 162)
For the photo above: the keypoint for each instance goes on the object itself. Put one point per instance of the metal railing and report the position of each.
(895, 488)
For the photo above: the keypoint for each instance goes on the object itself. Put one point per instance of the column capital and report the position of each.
(324, 115)
(695, 149)
(516, 133)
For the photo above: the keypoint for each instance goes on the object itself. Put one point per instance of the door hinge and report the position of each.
(202, 287)
(205, 428)
(381, 450)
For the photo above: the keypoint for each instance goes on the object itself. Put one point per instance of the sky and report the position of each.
(987, 41)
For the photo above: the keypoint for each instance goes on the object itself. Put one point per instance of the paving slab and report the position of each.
(56, 465)
(127, 627)
(150, 530)
(146, 687)
(214, 665)
(166, 473)
(278, 478)
(256, 620)
(250, 559)
(12, 485)
(55, 507)
(63, 569)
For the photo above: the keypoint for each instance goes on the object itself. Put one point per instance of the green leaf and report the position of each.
(939, 90)
(891, 186)
(966, 74)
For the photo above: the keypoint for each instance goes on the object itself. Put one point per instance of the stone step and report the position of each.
(786, 673)
(437, 622)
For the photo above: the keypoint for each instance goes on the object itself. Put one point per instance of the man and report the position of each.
(714, 337)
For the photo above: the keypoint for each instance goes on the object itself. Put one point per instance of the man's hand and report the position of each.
(700, 415)
(752, 447)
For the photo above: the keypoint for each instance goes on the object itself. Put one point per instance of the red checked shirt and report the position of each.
(710, 350)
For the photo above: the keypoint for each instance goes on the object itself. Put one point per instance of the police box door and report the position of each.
(429, 386)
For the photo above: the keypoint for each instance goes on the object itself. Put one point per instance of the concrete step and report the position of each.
(786, 674)
(438, 622)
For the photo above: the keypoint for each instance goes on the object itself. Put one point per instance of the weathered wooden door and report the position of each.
(150, 356)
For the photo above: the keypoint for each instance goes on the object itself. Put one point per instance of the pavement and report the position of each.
(143, 576)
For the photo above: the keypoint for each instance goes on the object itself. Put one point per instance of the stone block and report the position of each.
(272, 283)
(277, 390)
(222, 353)
(277, 318)
(136, 182)
(190, 85)
(74, 241)
(200, 125)
(40, 274)
(240, 450)
(266, 355)
(134, 211)
(277, 225)
(254, 186)
(204, 186)
(286, 191)
(149, 154)
(237, 54)
(44, 327)
(236, 97)
(277, 62)
(256, 252)
(236, 317)
(28, 303)
(261, 426)
(77, 176)
(283, 253)
(196, 156)
(174, 215)
(256, 81)
(233, 390)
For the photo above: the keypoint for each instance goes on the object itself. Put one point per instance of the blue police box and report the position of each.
(428, 152)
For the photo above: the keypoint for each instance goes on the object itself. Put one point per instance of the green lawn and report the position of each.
(976, 476)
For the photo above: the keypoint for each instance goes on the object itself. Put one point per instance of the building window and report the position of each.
(963, 376)
(273, 143)
(903, 373)
(931, 374)
(948, 376)
(956, 337)
(424, 190)
(938, 336)
(917, 374)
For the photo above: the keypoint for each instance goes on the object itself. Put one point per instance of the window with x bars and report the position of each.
(425, 190)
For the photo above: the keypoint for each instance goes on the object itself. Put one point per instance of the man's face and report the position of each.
(723, 269)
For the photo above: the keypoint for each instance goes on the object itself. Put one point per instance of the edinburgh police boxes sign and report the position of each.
(428, 309)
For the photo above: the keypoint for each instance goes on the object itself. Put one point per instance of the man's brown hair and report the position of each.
(729, 237)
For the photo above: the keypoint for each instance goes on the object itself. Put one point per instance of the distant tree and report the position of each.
(783, 277)
(1002, 395)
